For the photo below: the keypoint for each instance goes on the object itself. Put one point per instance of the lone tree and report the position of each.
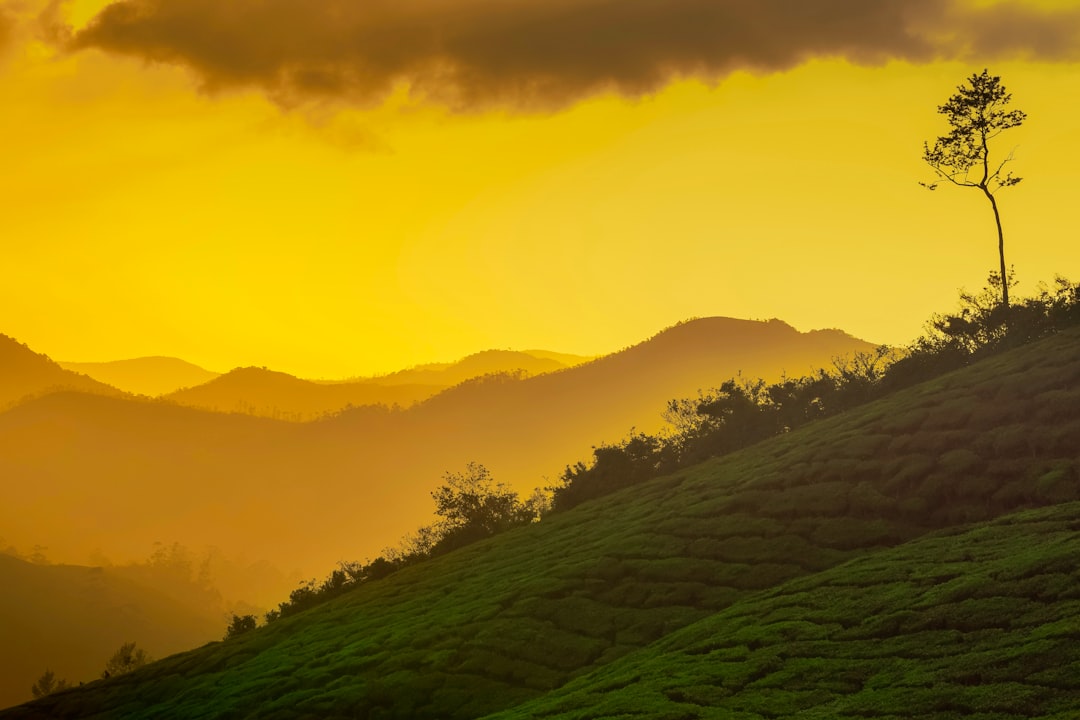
(47, 684)
(127, 658)
(472, 507)
(977, 113)
(239, 625)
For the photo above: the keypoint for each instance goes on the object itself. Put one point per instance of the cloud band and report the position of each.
(545, 54)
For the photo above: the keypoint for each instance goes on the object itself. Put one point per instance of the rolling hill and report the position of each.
(117, 474)
(486, 362)
(266, 393)
(26, 374)
(862, 566)
(151, 376)
(70, 619)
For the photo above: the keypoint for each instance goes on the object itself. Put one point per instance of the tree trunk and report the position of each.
(1001, 255)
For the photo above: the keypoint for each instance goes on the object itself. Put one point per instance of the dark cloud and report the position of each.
(537, 54)
(7, 29)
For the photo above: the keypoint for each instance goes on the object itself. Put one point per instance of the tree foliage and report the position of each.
(239, 625)
(127, 658)
(473, 506)
(47, 684)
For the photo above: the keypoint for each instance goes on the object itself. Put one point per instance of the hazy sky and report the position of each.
(336, 187)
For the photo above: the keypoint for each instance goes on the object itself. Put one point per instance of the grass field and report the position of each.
(853, 568)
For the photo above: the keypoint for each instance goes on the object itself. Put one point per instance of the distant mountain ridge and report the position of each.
(138, 471)
(70, 619)
(25, 373)
(151, 376)
(485, 362)
(267, 393)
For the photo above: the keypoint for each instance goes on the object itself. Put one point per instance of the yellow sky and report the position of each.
(141, 215)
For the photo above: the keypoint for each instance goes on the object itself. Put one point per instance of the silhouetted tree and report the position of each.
(634, 460)
(127, 658)
(239, 625)
(47, 684)
(538, 504)
(980, 322)
(473, 500)
(976, 114)
(379, 568)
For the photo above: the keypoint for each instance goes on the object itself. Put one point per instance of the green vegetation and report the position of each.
(967, 622)
(742, 412)
(240, 624)
(471, 506)
(127, 658)
(509, 619)
(47, 684)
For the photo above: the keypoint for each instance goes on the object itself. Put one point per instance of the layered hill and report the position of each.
(117, 474)
(151, 376)
(795, 569)
(267, 393)
(71, 619)
(486, 362)
(26, 374)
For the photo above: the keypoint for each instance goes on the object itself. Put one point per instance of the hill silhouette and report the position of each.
(25, 373)
(151, 376)
(134, 472)
(266, 393)
(70, 619)
(485, 362)
(794, 568)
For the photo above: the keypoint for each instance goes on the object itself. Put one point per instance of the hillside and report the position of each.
(972, 621)
(486, 362)
(70, 619)
(266, 393)
(121, 474)
(528, 429)
(751, 548)
(151, 376)
(25, 374)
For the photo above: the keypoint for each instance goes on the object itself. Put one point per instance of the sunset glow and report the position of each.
(442, 358)
(150, 211)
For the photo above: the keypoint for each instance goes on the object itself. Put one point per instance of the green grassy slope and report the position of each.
(981, 621)
(505, 621)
